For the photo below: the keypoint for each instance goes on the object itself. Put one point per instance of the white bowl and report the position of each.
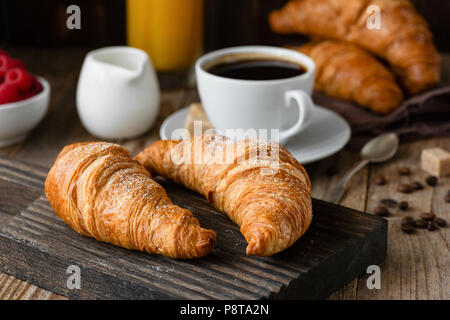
(19, 118)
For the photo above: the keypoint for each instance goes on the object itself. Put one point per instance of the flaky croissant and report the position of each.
(346, 72)
(267, 196)
(101, 193)
(403, 37)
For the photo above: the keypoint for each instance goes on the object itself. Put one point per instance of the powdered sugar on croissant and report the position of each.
(268, 197)
(101, 193)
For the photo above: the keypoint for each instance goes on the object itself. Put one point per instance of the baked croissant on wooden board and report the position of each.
(101, 193)
(346, 72)
(403, 37)
(270, 202)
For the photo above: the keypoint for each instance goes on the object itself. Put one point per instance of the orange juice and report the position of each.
(170, 31)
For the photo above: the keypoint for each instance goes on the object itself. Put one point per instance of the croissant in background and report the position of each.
(271, 205)
(404, 38)
(346, 72)
(101, 193)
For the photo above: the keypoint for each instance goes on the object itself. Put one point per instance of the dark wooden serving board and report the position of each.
(36, 246)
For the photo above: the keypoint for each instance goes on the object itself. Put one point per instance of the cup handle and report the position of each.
(305, 108)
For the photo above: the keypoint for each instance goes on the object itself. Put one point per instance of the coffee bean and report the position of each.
(432, 181)
(432, 226)
(332, 171)
(447, 198)
(404, 188)
(380, 180)
(407, 228)
(416, 185)
(427, 216)
(407, 220)
(421, 223)
(381, 211)
(440, 222)
(404, 171)
(404, 205)
(391, 203)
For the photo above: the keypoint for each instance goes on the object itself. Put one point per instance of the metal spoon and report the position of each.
(378, 149)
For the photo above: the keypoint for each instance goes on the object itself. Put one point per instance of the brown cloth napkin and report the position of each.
(422, 116)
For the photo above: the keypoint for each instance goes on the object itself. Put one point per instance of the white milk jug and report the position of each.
(118, 93)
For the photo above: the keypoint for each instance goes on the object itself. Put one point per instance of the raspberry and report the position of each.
(36, 87)
(8, 93)
(4, 62)
(18, 78)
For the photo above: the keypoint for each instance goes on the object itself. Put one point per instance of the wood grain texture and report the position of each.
(422, 260)
(37, 246)
(62, 126)
(15, 177)
(14, 289)
(355, 197)
(417, 266)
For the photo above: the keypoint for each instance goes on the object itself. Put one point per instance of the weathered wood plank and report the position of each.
(418, 265)
(354, 198)
(15, 289)
(37, 246)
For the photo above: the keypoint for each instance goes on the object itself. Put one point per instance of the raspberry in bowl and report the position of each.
(24, 100)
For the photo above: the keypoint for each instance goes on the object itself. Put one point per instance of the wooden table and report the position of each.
(416, 267)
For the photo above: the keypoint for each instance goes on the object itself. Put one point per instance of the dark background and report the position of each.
(227, 22)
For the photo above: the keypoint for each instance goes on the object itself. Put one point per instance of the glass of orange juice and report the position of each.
(170, 31)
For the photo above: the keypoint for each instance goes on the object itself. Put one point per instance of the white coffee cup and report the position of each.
(118, 93)
(252, 105)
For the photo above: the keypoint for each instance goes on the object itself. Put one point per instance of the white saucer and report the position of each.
(326, 134)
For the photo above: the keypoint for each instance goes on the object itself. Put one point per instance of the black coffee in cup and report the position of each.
(274, 97)
(257, 69)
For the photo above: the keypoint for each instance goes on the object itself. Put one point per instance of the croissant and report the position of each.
(346, 72)
(101, 193)
(403, 37)
(259, 185)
